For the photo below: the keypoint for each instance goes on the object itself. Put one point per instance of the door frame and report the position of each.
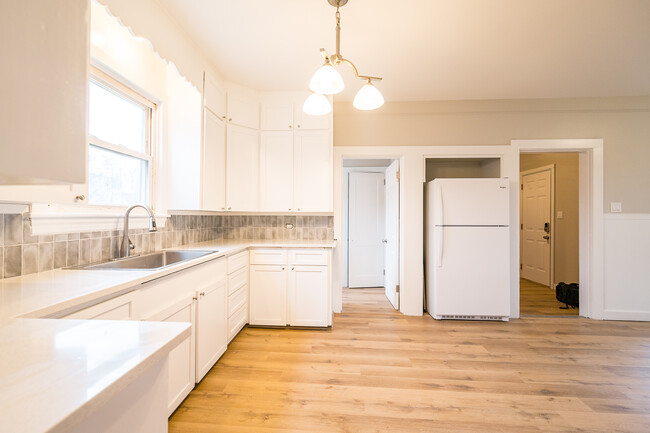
(551, 264)
(591, 233)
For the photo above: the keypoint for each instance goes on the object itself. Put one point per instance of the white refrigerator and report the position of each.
(467, 249)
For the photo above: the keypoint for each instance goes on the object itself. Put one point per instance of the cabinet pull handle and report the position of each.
(230, 119)
(290, 126)
(298, 126)
(289, 208)
(80, 197)
(223, 117)
(293, 269)
(283, 269)
(195, 298)
(229, 207)
(202, 293)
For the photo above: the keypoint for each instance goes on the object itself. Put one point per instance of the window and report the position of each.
(120, 157)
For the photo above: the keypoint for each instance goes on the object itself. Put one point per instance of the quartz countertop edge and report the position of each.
(64, 414)
(55, 293)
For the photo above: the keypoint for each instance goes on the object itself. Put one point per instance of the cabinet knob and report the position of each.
(202, 293)
(229, 207)
(289, 208)
(283, 268)
(298, 126)
(194, 298)
(293, 269)
(223, 208)
(230, 119)
(223, 117)
(290, 126)
(80, 197)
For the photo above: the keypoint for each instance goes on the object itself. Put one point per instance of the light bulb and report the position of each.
(368, 98)
(326, 81)
(316, 105)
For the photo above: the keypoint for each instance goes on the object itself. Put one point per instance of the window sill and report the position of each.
(50, 219)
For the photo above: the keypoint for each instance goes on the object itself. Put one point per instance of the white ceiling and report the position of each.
(431, 49)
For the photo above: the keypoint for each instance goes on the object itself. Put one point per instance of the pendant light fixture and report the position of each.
(327, 80)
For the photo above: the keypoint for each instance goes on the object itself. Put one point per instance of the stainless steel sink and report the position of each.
(150, 261)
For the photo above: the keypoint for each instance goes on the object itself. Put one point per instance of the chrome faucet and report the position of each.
(127, 245)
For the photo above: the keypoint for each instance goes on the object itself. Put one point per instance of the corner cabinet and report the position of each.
(211, 326)
(290, 287)
(213, 170)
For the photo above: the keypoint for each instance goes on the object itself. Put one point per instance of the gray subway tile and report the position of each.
(13, 261)
(2, 260)
(13, 229)
(96, 250)
(30, 258)
(73, 253)
(2, 235)
(106, 249)
(45, 238)
(60, 237)
(60, 252)
(84, 251)
(45, 256)
(27, 232)
(73, 236)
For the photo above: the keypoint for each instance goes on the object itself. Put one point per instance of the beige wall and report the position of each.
(622, 123)
(566, 200)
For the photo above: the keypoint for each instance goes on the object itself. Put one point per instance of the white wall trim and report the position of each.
(52, 219)
(592, 259)
(627, 216)
(642, 316)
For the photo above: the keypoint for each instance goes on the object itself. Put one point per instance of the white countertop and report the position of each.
(47, 293)
(55, 373)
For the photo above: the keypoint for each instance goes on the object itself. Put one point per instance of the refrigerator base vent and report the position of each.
(462, 317)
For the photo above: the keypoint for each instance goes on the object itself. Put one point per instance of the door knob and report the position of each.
(385, 241)
(547, 237)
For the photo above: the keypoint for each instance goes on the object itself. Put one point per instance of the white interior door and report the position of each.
(536, 225)
(391, 264)
(366, 232)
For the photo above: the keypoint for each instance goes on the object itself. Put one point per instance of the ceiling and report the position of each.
(431, 49)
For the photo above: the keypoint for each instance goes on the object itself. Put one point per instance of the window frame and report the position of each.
(120, 87)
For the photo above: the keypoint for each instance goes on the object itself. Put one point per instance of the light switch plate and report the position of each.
(560, 215)
(615, 207)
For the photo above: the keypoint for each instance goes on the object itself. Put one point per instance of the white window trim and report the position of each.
(107, 78)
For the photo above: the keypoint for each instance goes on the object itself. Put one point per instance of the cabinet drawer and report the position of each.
(118, 308)
(237, 261)
(237, 300)
(236, 322)
(311, 256)
(271, 256)
(237, 280)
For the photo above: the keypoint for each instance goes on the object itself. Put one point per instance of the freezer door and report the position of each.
(471, 272)
(471, 202)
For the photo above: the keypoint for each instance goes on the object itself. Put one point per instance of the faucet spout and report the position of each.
(127, 245)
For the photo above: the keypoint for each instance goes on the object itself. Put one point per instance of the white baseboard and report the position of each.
(643, 316)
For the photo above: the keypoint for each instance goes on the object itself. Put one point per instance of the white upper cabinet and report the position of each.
(312, 171)
(277, 115)
(242, 172)
(276, 171)
(214, 96)
(213, 184)
(243, 110)
(44, 90)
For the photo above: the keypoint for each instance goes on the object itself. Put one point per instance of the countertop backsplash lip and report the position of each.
(22, 253)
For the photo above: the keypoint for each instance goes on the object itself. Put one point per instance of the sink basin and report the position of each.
(149, 261)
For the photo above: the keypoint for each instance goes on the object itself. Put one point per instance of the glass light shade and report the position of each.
(316, 105)
(326, 81)
(368, 98)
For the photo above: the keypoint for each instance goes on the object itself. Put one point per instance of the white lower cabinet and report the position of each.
(182, 366)
(294, 290)
(238, 271)
(120, 308)
(308, 296)
(211, 326)
(268, 287)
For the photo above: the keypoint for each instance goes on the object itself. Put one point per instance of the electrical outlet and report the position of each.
(615, 207)
(288, 226)
(560, 215)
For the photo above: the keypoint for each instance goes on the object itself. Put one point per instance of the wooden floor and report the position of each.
(536, 299)
(379, 371)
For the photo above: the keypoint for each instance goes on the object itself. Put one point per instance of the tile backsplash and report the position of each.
(22, 253)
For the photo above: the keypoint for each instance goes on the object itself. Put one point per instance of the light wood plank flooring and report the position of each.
(536, 299)
(379, 371)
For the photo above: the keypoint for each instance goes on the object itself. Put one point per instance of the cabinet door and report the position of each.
(304, 121)
(312, 171)
(214, 96)
(211, 326)
(277, 115)
(44, 90)
(276, 171)
(308, 295)
(181, 359)
(243, 110)
(213, 179)
(242, 162)
(268, 295)
(119, 308)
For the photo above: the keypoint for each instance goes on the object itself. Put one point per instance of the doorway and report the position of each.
(371, 225)
(549, 230)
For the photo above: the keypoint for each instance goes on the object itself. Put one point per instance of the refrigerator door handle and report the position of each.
(440, 244)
